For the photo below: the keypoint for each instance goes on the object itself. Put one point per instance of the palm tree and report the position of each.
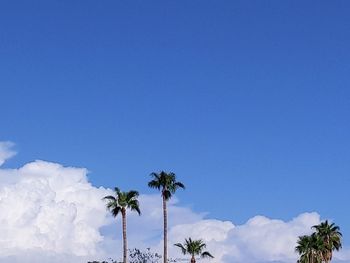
(118, 204)
(331, 237)
(194, 248)
(167, 184)
(310, 249)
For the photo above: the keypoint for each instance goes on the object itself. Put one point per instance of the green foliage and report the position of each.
(310, 249)
(166, 183)
(139, 256)
(331, 238)
(122, 201)
(319, 246)
(194, 248)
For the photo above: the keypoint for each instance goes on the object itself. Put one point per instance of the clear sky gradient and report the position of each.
(248, 102)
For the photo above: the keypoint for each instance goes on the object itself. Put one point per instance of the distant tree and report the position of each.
(119, 204)
(138, 256)
(111, 261)
(167, 184)
(194, 248)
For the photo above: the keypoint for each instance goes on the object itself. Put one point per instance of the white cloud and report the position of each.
(270, 240)
(51, 213)
(258, 240)
(52, 209)
(213, 232)
(6, 151)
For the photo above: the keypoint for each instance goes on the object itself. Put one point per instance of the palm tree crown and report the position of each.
(194, 248)
(122, 201)
(166, 183)
(331, 237)
(319, 246)
(310, 249)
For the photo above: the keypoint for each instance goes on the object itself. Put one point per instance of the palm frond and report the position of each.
(131, 195)
(116, 190)
(166, 194)
(180, 185)
(206, 254)
(183, 250)
(133, 205)
(154, 184)
(116, 211)
(109, 198)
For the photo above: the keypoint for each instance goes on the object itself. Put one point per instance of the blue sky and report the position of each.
(248, 102)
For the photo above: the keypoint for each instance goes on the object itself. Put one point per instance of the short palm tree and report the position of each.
(194, 248)
(331, 237)
(310, 249)
(118, 204)
(167, 184)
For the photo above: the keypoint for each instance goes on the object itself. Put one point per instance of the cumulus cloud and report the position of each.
(6, 151)
(269, 239)
(51, 213)
(50, 209)
(260, 239)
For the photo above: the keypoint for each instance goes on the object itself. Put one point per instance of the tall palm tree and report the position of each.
(310, 249)
(167, 184)
(118, 204)
(331, 237)
(194, 248)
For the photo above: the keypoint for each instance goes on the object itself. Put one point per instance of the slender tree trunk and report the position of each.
(193, 259)
(125, 244)
(165, 217)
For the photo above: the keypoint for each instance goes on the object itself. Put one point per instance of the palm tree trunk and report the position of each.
(329, 252)
(193, 260)
(165, 217)
(328, 258)
(125, 244)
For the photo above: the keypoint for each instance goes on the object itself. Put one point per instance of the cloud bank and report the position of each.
(51, 213)
(50, 208)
